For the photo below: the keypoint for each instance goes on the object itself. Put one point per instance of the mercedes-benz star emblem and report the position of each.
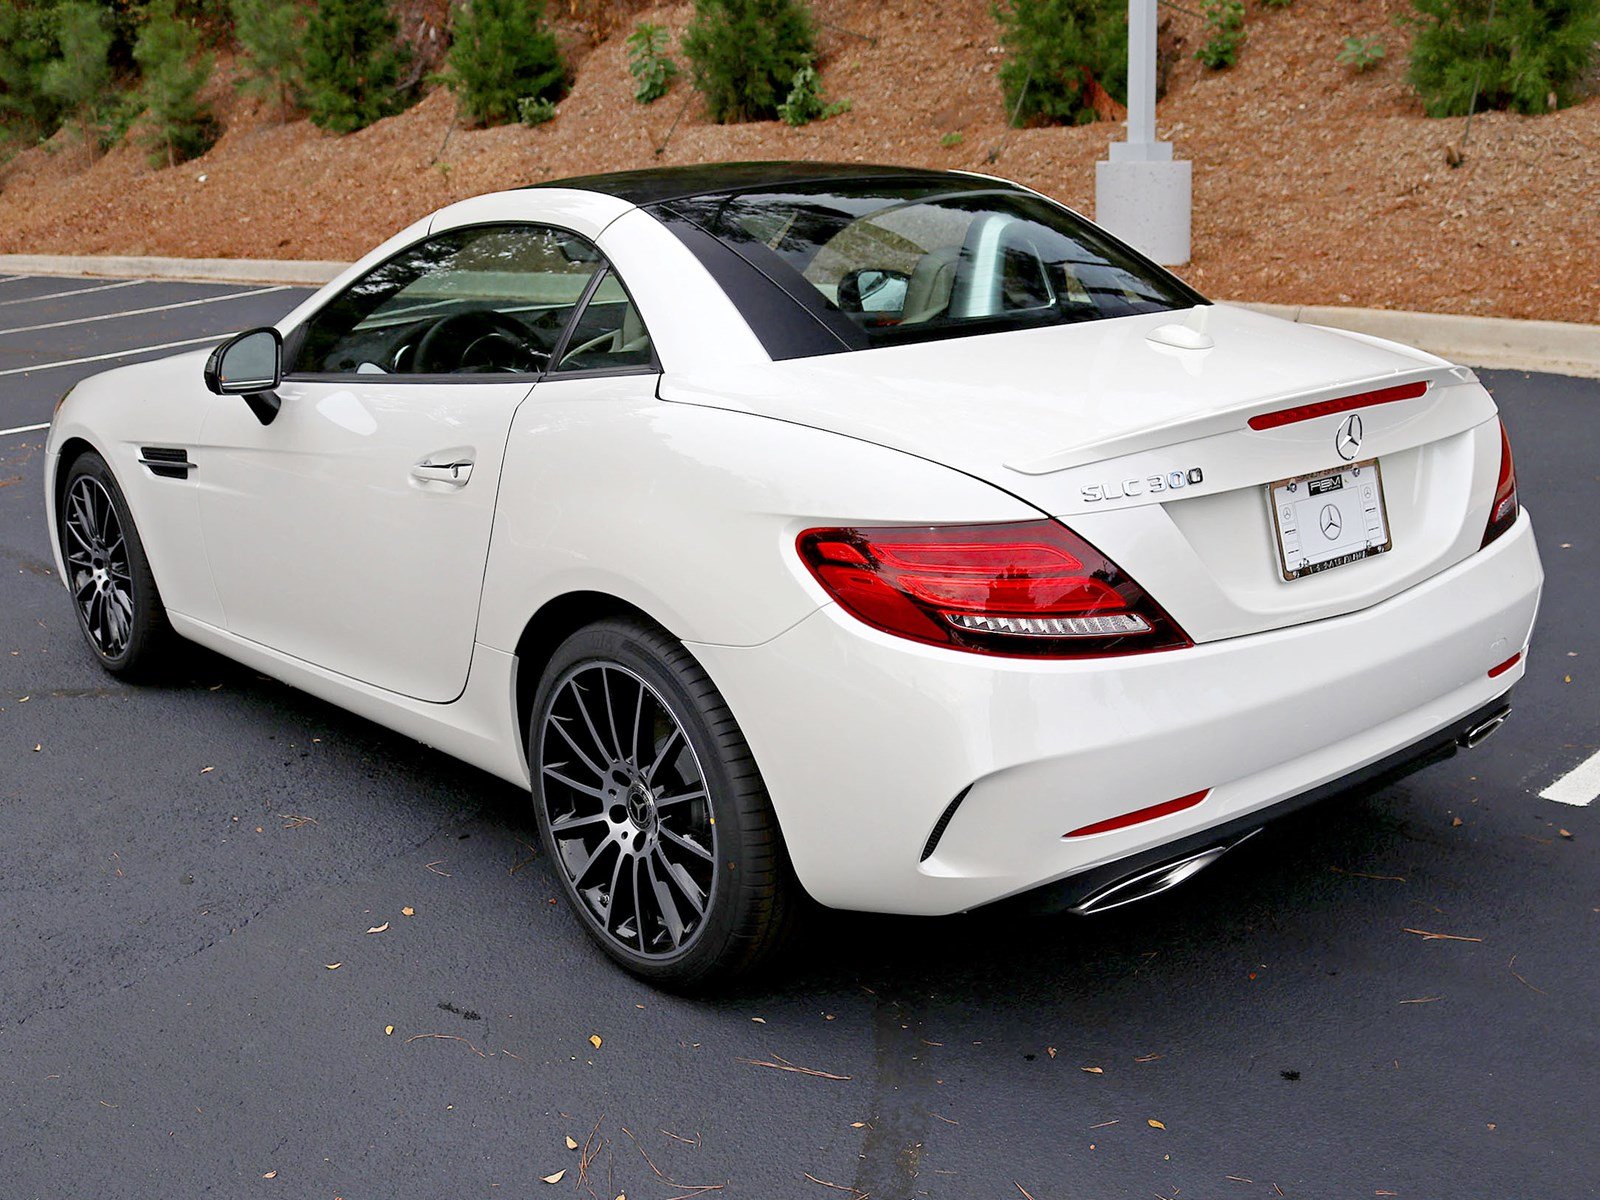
(1348, 440)
(1331, 524)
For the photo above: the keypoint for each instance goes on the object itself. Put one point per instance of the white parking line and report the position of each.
(103, 287)
(1579, 786)
(129, 353)
(24, 429)
(139, 312)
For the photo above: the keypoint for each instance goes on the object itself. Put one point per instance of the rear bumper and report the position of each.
(1126, 880)
(865, 740)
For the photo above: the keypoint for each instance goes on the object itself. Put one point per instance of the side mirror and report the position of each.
(249, 364)
(874, 290)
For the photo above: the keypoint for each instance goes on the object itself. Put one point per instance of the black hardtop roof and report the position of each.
(659, 184)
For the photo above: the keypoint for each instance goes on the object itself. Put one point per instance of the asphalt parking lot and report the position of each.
(253, 946)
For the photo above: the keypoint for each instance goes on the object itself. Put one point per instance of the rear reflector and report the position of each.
(1495, 672)
(1326, 408)
(1165, 809)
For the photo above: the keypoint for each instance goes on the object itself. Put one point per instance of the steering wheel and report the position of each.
(477, 340)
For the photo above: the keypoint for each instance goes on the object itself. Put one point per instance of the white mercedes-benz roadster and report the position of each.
(892, 536)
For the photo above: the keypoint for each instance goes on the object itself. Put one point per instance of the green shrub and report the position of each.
(176, 124)
(1361, 54)
(1531, 50)
(351, 63)
(952, 139)
(27, 43)
(269, 33)
(1225, 30)
(652, 71)
(78, 78)
(805, 102)
(1277, 3)
(502, 52)
(535, 110)
(1054, 48)
(743, 54)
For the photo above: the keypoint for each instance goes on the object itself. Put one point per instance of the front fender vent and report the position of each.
(166, 463)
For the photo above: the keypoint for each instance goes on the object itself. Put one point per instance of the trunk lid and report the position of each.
(1085, 421)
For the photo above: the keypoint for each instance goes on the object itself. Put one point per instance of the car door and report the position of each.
(352, 530)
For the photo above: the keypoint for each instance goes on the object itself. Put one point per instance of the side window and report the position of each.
(608, 334)
(486, 300)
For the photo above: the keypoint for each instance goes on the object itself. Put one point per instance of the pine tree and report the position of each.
(27, 43)
(269, 33)
(176, 124)
(743, 54)
(1054, 49)
(501, 51)
(1526, 55)
(79, 77)
(352, 64)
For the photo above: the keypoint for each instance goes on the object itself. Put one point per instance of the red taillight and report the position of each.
(1034, 589)
(1503, 515)
(1327, 408)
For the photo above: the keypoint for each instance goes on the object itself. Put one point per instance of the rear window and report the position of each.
(882, 263)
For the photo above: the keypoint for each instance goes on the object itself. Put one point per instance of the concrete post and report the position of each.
(1141, 194)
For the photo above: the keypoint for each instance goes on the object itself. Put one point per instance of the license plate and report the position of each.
(1328, 519)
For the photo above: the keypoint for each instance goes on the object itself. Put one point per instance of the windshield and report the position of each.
(917, 261)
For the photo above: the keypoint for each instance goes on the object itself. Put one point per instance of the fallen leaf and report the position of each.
(1154, 1124)
(1050, 1050)
(594, 1040)
(556, 1178)
(571, 1145)
(207, 770)
(379, 928)
(388, 1031)
(1566, 833)
(1093, 1070)
(759, 1020)
(408, 911)
(333, 966)
(1455, 822)
(38, 747)
(270, 1175)
(858, 1124)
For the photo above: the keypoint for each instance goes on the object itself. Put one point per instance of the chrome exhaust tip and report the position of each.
(1483, 730)
(1155, 880)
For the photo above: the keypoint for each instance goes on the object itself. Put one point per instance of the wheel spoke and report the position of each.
(686, 884)
(666, 904)
(692, 847)
(638, 909)
(697, 794)
(567, 824)
(559, 725)
(611, 716)
(588, 721)
(582, 872)
(661, 754)
(573, 783)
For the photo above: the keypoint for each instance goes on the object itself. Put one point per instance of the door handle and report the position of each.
(456, 471)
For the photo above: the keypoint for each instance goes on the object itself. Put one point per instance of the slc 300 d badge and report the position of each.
(1149, 485)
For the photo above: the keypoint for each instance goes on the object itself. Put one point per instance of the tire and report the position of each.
(649, 803)
(113, 592)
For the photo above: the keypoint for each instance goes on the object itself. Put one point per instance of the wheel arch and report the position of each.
(555, 621)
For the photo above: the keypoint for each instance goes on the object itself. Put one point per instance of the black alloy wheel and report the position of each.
(651, 811)
(118, 605)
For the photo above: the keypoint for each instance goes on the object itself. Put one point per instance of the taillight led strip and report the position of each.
(1326, 408)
